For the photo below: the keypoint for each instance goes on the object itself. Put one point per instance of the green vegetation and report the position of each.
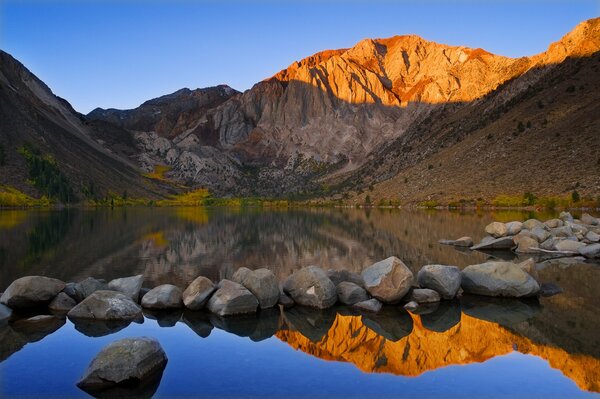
(46, 176)
(11, 197)
(575, 196)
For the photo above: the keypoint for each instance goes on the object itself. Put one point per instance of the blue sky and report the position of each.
(121, 53)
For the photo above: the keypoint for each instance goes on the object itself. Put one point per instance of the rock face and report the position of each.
(496, 229)
(62, 303)
(129, 286)
(443, 279)
(263, 284)
(388, 280)
(166, 296)
(310, 286)
(350, 293)
(106, 305)
(232, 298)
(504, 279)
(31, 291)
(196, 295)
(129, 361)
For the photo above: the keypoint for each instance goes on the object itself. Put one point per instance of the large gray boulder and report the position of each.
(87, 287)
(129, 286)
(349, 293)
(340, 275)
(31, 291)
(525, 244)
(166, 296)
(504, 279)
(554, 223)
(196, 295)
(310, 286)
(240, 274)
(565, 216)
(540, 234)
(62, 303)
(590, 251)
(130, 361)
(592, 236)
(263, 284)
(586, 218)
(232, 298)
(495, 243)
(513, 228)
(106, 305)
(388, 280)
(443, 279)
(531, 224)
(568, 246)
(496, 229)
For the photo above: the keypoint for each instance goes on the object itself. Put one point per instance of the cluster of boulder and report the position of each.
(561, 237)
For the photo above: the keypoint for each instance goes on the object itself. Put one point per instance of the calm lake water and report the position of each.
(472, 347)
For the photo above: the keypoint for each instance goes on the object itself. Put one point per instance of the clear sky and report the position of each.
(120, 53)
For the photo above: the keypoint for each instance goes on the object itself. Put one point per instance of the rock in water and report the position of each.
(540, 234)
(87, 287)
(263, 284)
(232, 298)
(164, 296)
(196, 295)
(496, 229)
(497, 243)
(498, 279)
(62, 303)
(568, 246)
(285, 301)
(590, 251)
(130, 361)
(106, 305)
(565, 216)
(460, 242)
(554, 223)
(310, 286)
(525, 244)
(338, 276)
(531, 224)
(240, 274)
(443, 279)
(424, 295)
(129, 286)
(31, 291)
(350, 293)
(586, 218)
(513, 228)
(411, 306)
(592, 236)
(5, 314)
(372, 305)
(388, 280)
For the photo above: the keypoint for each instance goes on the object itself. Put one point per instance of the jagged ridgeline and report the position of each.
(398, 120)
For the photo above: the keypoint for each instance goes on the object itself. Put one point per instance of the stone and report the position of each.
(62, 303)
(285, 301)
(586, 218)
(424, 295)
(498, 279)
(590, 251)
(565, 216)
(550, 243)
(5, 314)
(88, 286)
(129, 361)
(240, 274)
(106, 305)
(338, 276)
(129, 286)
(498, 243)
(577, 228)
(371, 305)
(496, 229)
(531, 224)
(525, 244)
(550, 289)
(71, 291)
(568, 245)
(197, 294)
(528, 266)
(349, 293)
(554, 223)
(31, 291)
(263, 284)
(411, 306)
(232, 298)
(310, 286)
(443, 279)
(540, 234)
(564, 231)
(388, 280)
(513, 228)
(166, 296)
(460, 242)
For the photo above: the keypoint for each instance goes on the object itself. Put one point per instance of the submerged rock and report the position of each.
(166, 296)
(31, 291)
(388, 280)
(232, 298)
(310, 286)
(350, 293)
(443, 279)
(106, 305)
(197, 294)
(129, 286)
(498, 279)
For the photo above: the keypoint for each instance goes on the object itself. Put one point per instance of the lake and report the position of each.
(466, 348)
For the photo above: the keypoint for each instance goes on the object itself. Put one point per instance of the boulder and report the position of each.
(411, 306)
(513, 228)
(497, 243)
(550, 243)
(525, 244)
(460, 242)
(388, 280)
(424, 295)
(349, 293)
(87, 287)
(577, 228)
(590, 251)
(310, 286)
(498, 279)
(568, 246)
(196, 295)
(5, 314)
(565, 216)
(129, 286)
(338, 276)
(371, 305)
(540, 234)
(31, 291)
(443, 279)
(70, 291)
(164, 296)
(586, 218)
(240, 274)
(531, 224)
(496, 229)
(62, 303)
(554, 223)
(106, 305)
(564, 231)
(263, 284)
(285, 301)
(528, 266)
(129, 361)
(232, 298)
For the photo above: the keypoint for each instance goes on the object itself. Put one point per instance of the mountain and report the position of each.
(400, 118)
